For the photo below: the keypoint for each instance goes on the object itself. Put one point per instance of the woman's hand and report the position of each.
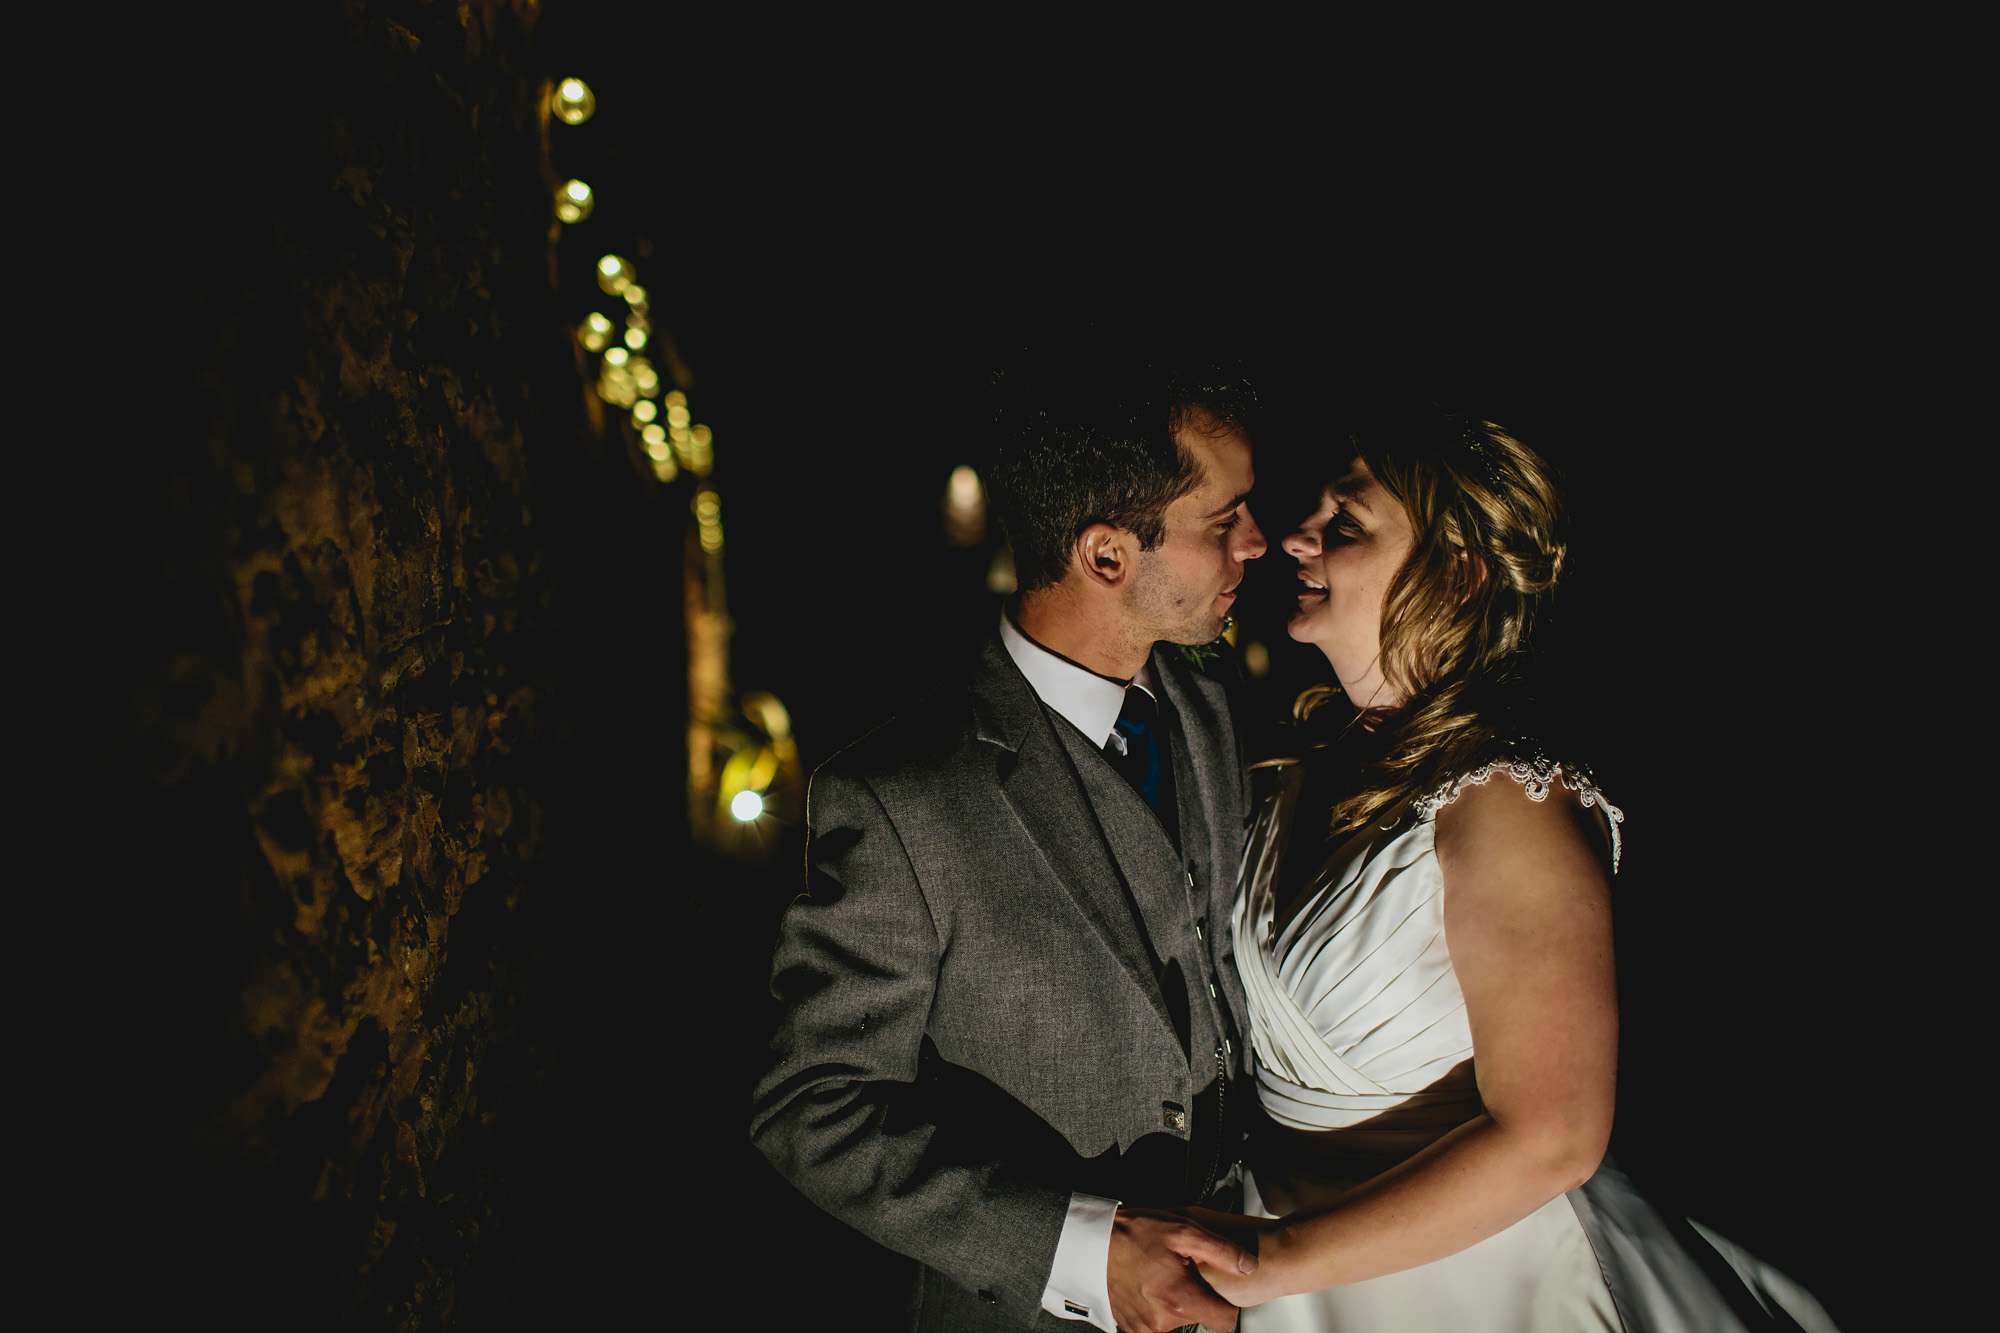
(1253, 1234)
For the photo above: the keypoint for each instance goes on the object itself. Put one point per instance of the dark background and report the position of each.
(1702, 263)
(1672, 255)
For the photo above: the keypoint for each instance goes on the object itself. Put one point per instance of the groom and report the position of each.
(1012, 1040)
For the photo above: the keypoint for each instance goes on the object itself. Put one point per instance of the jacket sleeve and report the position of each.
(841, 1109)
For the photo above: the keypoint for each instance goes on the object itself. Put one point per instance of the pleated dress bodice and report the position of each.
(1364, 1057)
(1359, 1016)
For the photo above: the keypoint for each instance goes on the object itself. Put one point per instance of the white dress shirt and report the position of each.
(1079, 1279)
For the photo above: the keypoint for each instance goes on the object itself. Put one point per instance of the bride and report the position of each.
(1424, 929)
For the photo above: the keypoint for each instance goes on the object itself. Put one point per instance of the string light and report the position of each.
(734, 774)
(614, 275)
(574, 101)
(964, 508)
(574, 201)
(595, 332)
(700, 450)
(708, 517)
(616, 387)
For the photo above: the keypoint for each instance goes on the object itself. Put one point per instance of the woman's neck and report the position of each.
(1369, 690)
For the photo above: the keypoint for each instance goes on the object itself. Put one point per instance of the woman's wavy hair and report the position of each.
(1457, 618)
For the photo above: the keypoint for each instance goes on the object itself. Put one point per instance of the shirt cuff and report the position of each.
(1079, 1280)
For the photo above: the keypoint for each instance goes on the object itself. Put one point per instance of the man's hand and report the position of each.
(1152, 1288)
(1254, 1234)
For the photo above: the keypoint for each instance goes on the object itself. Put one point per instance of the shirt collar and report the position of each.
(1088, 701)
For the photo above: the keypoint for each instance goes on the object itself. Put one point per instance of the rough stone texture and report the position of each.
(323, 712)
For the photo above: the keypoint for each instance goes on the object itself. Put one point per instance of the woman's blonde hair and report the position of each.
(1456, 619)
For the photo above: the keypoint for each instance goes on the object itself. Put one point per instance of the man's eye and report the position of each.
(1233, 520)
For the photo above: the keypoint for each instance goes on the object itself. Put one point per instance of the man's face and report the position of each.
(1182, 589)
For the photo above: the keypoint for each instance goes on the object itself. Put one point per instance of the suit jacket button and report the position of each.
(988, 1297)
(1175, 1120)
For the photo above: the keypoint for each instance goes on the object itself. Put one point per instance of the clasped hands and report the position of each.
(1171, 1268)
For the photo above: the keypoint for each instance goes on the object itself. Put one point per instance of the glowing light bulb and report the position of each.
(574, 201)
(1000, 577)
(616, 388)
(700, 455)
(645, 377)
(617, 356)
(964, 487)
(1257, 660)
(654, 439)
(644, 411)
(664, 469)
(746, 806)
(614, 275)
(635, 296)
(595, 332)
(677, 399)
(635, 338)
(574, 101)
(964, 508)
(677, 414)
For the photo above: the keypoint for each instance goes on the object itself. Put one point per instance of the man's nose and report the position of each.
(1254, 544)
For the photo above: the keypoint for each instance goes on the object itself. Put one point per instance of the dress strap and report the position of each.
(1538, 775)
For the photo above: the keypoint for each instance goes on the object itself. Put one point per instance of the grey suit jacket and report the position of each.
(973, 1016)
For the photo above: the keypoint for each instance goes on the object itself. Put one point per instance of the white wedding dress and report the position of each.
(1364, 1057)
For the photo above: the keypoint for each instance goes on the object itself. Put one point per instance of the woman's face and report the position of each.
(1349, 550)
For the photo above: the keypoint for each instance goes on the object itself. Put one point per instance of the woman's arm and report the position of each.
(1527, 917)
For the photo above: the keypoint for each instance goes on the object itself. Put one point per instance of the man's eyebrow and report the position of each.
(1231, 505)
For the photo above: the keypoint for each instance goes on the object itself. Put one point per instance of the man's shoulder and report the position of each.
(925, 738)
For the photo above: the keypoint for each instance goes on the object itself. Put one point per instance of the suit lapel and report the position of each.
(1199, 770)
(1045, 793)
(1213, 801)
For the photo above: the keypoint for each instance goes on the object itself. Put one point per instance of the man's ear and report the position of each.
(1104, 555)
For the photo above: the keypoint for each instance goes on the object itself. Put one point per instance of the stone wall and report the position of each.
(326, 633)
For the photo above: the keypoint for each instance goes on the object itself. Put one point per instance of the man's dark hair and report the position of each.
(1090, 438)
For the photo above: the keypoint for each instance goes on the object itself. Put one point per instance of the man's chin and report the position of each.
(1198, 637)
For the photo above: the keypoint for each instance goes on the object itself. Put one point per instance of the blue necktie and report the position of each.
(1145, 763)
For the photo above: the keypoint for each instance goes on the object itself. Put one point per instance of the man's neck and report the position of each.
(1060, 623)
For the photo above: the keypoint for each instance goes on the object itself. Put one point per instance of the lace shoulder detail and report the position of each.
(1538, 776)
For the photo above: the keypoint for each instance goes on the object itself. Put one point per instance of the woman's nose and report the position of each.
(1301, 545)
